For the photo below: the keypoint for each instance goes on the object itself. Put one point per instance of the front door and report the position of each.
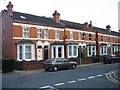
(45, 53)
(39, 54)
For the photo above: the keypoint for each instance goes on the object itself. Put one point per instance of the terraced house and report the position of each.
(30, 37)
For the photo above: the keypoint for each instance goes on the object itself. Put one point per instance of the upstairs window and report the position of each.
(46, 34)
(71, 35)
(79, 36)
(57, 34)
(90, 36)
(83, 36)
(102, 38)
(39, 33)
(26, 32)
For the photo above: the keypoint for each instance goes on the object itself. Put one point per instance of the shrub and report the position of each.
(8, 65)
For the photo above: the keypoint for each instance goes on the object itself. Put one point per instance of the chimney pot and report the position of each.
(9, 7)
(86, 24)
(56, 16)
(90, 25)
(108, 27)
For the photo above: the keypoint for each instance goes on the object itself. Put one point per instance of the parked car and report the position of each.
(56, 64)
(111, 59)
(117, 53)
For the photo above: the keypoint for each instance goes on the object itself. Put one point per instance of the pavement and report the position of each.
(18, 72)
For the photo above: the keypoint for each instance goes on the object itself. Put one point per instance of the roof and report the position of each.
(63, 23)
(72, 43)
(25, 41)
(35, 19)
(57, 43)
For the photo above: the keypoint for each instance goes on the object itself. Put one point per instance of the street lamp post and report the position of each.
(79, 54)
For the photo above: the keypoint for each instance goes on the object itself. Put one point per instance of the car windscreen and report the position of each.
(107, 56)
(49, 60)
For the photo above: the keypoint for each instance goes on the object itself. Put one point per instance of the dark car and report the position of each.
(58, 63)
(117, 53)
(111, 59)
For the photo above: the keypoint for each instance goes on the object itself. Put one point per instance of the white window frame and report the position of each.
(90, 38)
(83, 36)
(26, 32)
(115, 49)
(79, 35)
(72, 51)
(102, 38)
(24, 52)
(39, 33)
(91, 50)
(57, 34)
(104, 49)
(46, 34)
(71, 35)
(56, 50)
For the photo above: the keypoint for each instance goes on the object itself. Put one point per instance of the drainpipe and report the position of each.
(64, 38)
(97, 47)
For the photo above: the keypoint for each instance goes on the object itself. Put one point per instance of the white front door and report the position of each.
(39, 54)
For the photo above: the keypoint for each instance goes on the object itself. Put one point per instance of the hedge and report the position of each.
(8, 65)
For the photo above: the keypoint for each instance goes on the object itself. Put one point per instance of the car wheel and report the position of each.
(55, 68)
(104, 62)
(73, 66)
(46, 69)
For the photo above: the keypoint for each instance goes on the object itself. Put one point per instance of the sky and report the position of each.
(100, 12)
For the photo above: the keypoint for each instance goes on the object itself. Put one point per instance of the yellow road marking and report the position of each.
(109, 76)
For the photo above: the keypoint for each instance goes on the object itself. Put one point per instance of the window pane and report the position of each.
(89, 50)
(46, 33)
(26, 32)
(28, 55)
(59, 52)
(20, 56)
(75, 50)
(57, 34)
(20, 52)
(28, 52)
(70, 50)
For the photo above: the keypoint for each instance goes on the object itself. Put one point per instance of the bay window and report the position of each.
(91, 50)
(72, 51)
(28, 52)
(25, 52)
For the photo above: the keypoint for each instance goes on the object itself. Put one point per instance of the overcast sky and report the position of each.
(100, 12)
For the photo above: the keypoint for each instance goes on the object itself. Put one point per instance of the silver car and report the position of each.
(56, 64)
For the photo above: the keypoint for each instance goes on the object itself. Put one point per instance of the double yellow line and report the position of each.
(109, 76)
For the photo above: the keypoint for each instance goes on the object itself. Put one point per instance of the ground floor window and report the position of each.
(72, 51)
(57, 51)
(103, 50)
(114, 49)
(28, 52)
(91, 50)
(25, 52)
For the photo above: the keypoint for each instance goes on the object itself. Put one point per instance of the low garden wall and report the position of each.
(29, 65)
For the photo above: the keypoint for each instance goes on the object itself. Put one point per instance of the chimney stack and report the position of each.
(9, 7)
(90, 25)
(108, 27)
(56, 16)
(86, 24)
